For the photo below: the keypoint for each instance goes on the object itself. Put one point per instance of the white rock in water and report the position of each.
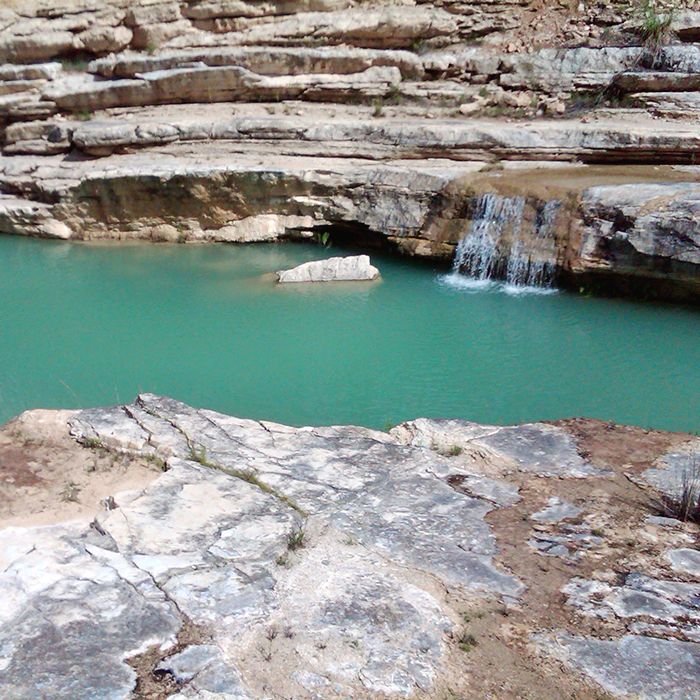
(350, 269)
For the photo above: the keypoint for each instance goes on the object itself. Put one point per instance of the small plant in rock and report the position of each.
(467, 642)
(656, 19)
(654, 26)
(156, 461)
(455, 451)
(74, 64)
(70, 492)
(199, 454)
(394, 96)
(378, 110)
(684, 504)
(84, 115)
(295, 539)
(323, 239)
(419, 46)
(92, 443)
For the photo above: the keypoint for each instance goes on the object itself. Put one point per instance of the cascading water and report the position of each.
(500, 245)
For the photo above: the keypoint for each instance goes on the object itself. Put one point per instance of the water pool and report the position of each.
(84, 325)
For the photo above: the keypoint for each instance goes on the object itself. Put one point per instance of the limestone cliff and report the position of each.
(378, 122)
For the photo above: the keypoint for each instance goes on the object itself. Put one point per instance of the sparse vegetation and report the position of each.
(656, 19)
(684, 505)
(455, 451)
(394, 96)
(419, 46)
(467, 642)
(70, 492)
(378, 108)
(84, 115)
(654, 26)
(92, 443)
(156, 461)
(199, 454)
(74, 64)
(323, 239)
(295, 539)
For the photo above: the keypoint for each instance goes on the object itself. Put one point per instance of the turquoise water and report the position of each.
(85, 325)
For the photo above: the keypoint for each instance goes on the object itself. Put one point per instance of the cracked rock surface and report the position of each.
(270, 561)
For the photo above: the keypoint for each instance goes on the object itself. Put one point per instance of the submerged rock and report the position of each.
(356, 268)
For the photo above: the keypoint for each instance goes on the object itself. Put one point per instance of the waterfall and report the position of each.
(500, 245)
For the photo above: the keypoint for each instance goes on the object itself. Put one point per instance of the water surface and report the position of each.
(86, 325)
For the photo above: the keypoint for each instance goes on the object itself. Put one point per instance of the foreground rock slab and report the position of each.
(261, 560)
(356, 268)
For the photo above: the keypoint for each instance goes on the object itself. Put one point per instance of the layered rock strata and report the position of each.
(378, 124)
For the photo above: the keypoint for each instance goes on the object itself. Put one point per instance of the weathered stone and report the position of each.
(669, 666)
(538, 448)
(221, 84)
(378, 27)
(686, 561)
(639, 596)
(641, 230)
(675, 470)
(686, 25)
(318, 562)
(556, 511)
(349, 269)
(100, 40)
(554, 70)
(70, 613)
(263, 61)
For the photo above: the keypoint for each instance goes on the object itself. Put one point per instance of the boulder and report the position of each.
(352, 269)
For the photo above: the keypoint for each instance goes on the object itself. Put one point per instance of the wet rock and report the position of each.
(350, 269)
(642, 230)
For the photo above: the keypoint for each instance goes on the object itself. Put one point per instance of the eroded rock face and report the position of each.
(193, 112)
(642, 231)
